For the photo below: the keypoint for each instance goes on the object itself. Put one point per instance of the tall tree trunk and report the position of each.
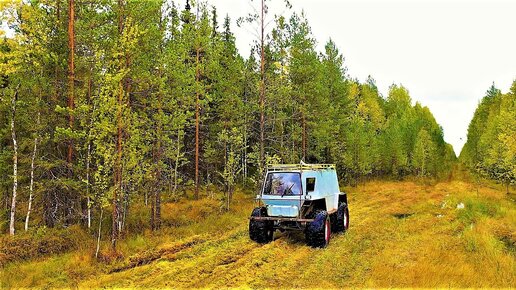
(157, 192)
(125, 210)
(71, 74)
(118, 169)
(176, 166)
(157, 222)
(262, 88)
(99, 232)
(88, 157)
(31, 186)
(15, 160)
(244, 176)
(118, 163)
(228, 199)
(226, 169)
(153, 201)
(197, 77)
(304, 136)
(56, 64)
(152, 188)
(294, 153)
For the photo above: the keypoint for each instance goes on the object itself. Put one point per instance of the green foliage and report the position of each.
(491, 146)
(141, 66)
(231, 143)
(423, 151)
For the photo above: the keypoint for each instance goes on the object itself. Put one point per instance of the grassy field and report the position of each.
(402, 234)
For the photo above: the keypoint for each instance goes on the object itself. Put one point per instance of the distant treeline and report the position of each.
(110, 103)
(491, 146)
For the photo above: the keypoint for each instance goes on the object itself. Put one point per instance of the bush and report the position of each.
(44, 241)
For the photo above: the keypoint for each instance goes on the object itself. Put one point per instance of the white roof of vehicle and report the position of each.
(302, 166)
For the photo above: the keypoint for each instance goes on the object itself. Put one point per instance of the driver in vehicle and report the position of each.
(285, 184)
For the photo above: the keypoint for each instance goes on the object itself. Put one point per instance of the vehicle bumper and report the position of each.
(281, 219)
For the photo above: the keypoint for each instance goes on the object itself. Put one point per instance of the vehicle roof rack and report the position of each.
(283, 167)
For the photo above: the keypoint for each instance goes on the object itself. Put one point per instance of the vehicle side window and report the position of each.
(310, 184)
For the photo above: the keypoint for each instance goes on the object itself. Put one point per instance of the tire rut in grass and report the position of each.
(150, 256)
(216, 263)
(262, 263)
(195, 267)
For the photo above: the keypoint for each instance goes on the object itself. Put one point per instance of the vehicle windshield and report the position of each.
(283, 183)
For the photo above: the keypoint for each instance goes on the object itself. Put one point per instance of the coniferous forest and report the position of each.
(490, 150)
(109, 106)
(134, 101)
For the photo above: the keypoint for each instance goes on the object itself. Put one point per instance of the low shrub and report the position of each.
(43, 241)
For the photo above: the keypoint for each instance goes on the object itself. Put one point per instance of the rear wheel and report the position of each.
(341, 223)
(318, 232)
(260, 231)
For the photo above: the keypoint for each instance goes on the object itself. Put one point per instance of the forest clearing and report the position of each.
(402, 234)
(135, 135)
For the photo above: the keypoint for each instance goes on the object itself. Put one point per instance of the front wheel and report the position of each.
(260, 231)
(318, 232)
(342, 218)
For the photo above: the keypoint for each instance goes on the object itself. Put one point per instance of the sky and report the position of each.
(446, 53)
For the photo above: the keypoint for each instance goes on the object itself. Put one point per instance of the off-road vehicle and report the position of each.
(302, 197)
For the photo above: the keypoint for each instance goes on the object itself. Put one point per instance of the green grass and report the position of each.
(402, 234)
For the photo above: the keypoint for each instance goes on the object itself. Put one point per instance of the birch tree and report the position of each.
(14, 99)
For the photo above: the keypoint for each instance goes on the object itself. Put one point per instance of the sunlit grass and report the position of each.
(403, 234)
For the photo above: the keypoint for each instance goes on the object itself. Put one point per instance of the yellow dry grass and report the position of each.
(402, 234)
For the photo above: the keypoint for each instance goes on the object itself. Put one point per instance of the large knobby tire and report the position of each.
(318, 232)
(260, 231)
(341, 221)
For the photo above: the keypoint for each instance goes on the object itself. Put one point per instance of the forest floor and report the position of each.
(402, 234)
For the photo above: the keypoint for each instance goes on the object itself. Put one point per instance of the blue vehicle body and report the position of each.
(302, 197)
(291, 192)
